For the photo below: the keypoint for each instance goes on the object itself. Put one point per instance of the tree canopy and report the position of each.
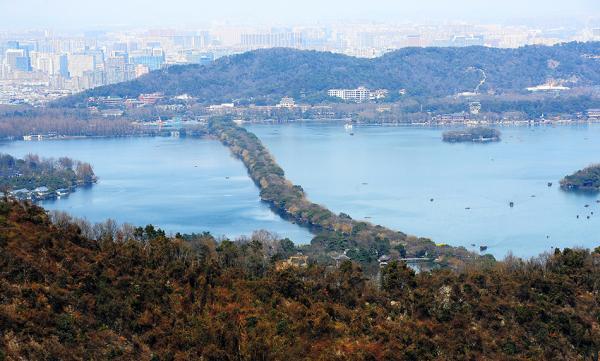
(118, 293)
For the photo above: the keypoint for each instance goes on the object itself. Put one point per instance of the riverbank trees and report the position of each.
(16, 122)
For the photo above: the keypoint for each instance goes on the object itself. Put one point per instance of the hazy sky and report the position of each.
(89, 14)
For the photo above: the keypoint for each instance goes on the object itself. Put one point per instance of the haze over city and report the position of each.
(71, 14)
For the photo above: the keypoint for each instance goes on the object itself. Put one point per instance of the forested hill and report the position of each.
(267, 75)
(64, 296)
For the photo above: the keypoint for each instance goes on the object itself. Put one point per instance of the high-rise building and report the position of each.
(63, 66)
(118, 69)
(462, 41)
(17, 60)
(202, 40)
(154, 58)
(43, 62)
(122, 47)
(80, 63)
(414, 40)
(197, 57)
(272, 40)
(12, 44)
(366, 40)
(98, 55)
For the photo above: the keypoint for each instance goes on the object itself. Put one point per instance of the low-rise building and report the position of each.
(359, 95)
(451, 118)
(112, 113)
(593, 114)
(298, 261)
(287, 102)
(150, 99)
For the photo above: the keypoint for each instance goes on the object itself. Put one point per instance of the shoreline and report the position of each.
(341, 121)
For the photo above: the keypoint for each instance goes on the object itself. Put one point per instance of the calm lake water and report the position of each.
(180, 185)
(388, 175)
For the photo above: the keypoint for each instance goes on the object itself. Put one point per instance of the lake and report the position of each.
(383, 174)
(388, 175)
(180, 185)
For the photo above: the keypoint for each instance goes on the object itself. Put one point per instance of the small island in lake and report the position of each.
(476, 134)
(585, 180)
(34, 178)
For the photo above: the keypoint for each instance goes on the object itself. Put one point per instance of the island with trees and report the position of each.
(36, 178)
(474, 135)
(74, 292)
(585, 180)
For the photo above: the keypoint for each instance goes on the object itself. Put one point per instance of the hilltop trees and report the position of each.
(16, 122)
(147, 296)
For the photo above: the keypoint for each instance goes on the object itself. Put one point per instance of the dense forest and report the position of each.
(473, 134)
(136, 294)
(32, 172)
(585, 180)
(267, 75)
(363, 241)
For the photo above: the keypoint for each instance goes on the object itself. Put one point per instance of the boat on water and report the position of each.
(348, 126)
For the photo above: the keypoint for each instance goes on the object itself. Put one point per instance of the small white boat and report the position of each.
(348, 126)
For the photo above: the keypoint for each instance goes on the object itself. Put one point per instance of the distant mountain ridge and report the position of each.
(266, 75)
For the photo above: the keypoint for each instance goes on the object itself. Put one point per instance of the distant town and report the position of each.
(178, 116)
(356, 100)
(37, 67)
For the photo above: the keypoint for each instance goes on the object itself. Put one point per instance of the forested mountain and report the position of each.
(139, 295)
(267, 75)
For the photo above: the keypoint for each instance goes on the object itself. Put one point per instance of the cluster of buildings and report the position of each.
(39, 193)
(471, 117)
(593, 114)
(38, 70)
(113, 107)
(358, 95)
(78, 68)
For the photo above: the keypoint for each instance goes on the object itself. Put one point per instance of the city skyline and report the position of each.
(43, 57)
(187, 13)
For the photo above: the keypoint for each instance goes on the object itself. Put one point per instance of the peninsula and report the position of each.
(585, 180)
(34, 178)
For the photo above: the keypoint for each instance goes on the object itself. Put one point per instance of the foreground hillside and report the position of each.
(268, 75)
(142, 296)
